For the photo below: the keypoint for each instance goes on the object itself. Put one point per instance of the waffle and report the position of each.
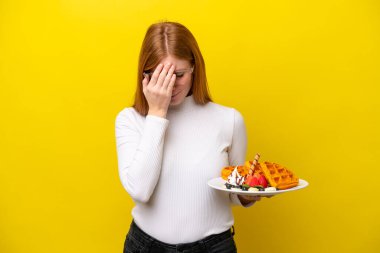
(278, 176)
(255, 169)
(226, 171)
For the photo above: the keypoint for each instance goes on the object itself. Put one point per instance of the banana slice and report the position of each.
(270, 189)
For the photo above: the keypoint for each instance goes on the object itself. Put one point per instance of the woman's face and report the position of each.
(184, 79)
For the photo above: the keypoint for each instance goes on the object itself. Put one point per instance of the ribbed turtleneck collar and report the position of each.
(187, 104)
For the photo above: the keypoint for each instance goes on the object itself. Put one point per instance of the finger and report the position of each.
(163, 74)
(248, 198)
(145, 82)
(253, 198)
(156, 73)
(257, 198)
(171, 84)
(168, 78)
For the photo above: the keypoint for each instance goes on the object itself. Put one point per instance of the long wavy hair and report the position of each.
(170, 38)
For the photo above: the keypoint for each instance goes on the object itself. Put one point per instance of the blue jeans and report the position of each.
(137, 241)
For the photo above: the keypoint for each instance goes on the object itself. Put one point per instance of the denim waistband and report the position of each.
(144, 238)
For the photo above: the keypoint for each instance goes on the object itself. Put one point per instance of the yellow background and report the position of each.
(304, 74)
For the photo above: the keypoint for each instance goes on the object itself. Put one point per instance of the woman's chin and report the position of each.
(176, 100)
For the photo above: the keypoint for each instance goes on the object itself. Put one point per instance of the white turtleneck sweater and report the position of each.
(165, 163)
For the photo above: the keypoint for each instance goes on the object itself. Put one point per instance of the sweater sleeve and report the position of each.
(139, 153)
(238, 149)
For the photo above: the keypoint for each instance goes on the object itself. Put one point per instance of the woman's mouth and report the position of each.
(175, 94)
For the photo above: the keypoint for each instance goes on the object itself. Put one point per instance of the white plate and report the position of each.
(218, 183)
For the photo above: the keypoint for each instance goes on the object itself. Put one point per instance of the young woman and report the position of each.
(170, 143)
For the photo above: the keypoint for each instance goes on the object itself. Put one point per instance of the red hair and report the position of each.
(170, 38)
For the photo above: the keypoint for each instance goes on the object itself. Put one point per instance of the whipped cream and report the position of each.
(235, 178)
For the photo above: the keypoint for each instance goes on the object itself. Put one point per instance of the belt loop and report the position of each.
(233, 230)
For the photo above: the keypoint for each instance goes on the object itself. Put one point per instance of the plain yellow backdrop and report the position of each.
(304, 74)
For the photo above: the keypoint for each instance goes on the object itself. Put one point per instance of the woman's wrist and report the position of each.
(161, 114)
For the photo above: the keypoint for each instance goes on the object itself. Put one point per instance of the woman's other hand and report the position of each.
(158, 90)
(248, 199)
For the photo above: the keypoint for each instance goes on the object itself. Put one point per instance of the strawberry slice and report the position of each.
(255, 181)
(251, 180)
(262, 181)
